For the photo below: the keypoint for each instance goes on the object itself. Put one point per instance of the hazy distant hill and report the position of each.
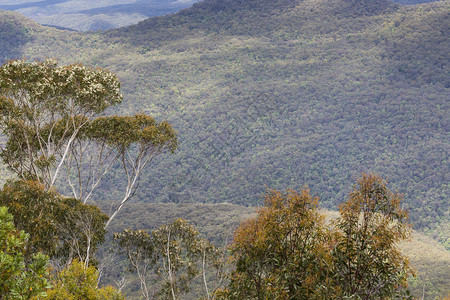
(93, 15)
(410, 2)
(281, 94)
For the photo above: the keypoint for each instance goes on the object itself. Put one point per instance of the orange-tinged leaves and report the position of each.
(281, 252)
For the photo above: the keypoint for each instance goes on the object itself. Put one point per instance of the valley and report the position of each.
(278, 94)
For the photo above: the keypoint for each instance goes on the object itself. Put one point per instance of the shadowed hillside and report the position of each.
(15, 31)
(280, 94)
(87, 15)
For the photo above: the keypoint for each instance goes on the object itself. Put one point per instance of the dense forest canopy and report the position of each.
(279, 93)
(86, 15)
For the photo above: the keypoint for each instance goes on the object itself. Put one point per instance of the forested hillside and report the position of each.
(279, 94)
(87, 15)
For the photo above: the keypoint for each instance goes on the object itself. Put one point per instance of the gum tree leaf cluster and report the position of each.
(289, 252)
(52, 118)
(19, 278)
(43, 107)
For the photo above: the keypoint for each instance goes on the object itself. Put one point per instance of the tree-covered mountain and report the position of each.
(87, 15)
(280, 94)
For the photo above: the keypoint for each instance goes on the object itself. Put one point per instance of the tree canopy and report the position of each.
(43, 106)
(288, 252)
(19, 278)
(52, 117)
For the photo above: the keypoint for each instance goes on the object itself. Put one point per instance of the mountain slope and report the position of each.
(88, 15)
(14, 33)
(283, 94)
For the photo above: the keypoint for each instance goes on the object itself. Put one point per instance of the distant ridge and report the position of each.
(250, 17)
(88, 17)
(15, 31)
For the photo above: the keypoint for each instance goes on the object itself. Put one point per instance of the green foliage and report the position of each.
(178, 256)
(42, 108)
(287, 252)
(57, 89)
(282, 253)
(63, 228)
(76, 282)
(121, 132)
(33, 209)
(372, 223)
(19, 278)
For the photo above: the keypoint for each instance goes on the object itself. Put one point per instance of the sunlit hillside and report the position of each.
(87, 15)
(279, 94)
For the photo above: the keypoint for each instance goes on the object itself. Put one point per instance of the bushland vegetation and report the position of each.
(273, 93)
(278, 92)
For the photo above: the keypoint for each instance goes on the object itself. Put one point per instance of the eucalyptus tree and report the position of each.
(368, 263)
(283, 252)
(52, 117)
(289, 252)
(138, 248)
(43, 107)
(177, 255)
(177, 246)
